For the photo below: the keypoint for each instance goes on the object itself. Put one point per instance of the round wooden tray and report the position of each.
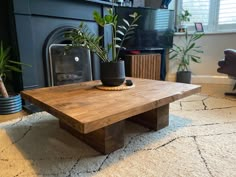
(115, 88)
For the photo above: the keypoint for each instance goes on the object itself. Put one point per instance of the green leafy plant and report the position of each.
(6, 65)
(83, 37)
(184, 16)
(187, 51)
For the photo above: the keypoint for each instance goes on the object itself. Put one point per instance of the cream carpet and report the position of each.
(200, 141)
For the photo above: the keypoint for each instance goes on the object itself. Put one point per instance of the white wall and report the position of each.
(213, 46)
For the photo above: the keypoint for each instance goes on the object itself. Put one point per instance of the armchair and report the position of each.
(228, 66)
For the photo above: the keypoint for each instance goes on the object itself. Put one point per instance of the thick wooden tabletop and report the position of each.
(87, 108)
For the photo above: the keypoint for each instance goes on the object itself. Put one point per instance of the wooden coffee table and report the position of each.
(97, 116)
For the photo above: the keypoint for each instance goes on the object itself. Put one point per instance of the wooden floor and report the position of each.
(211, 89)
(4, 118)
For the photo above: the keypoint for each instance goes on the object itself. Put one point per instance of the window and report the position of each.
(227, 12)
(215, 15)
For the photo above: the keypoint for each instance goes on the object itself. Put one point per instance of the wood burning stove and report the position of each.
(65, 66)
(70, 66)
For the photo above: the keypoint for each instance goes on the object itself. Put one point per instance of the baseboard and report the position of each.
(205, 79)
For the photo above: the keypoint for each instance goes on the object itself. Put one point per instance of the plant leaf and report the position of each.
(127, 23)
(117, 39)
(120, 32)
(134, 25)
(18, 63)
(128, 37)
(108, 19)
(134, 15)
(13, 68)
(173, 57)
(117, 46)
(97, 17)
(189, 48)
(122, 27)
(196, 60)
(130, 33)
(198, 51)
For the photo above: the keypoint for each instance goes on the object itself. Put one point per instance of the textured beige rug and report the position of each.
(200, 141)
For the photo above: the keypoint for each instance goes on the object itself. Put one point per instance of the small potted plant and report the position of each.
(112, 69)
(8, 103)
(183, 17)
(184, 53)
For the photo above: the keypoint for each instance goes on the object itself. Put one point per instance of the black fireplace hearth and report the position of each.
(39, 24)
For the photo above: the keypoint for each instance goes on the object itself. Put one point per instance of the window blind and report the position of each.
(227, 13)
(162, 20)
(199, 10)
(215, 15)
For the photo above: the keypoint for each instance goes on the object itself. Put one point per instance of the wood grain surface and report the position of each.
(145, 66)
(87, 109)
(104, 140)
(155, 119)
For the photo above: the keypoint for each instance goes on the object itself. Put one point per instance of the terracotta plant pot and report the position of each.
(112, 73)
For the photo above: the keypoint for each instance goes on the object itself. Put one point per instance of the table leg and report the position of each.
(155, 119)
(104, 140)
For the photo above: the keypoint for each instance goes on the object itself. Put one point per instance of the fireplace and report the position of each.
(38, 33)
(65, 66)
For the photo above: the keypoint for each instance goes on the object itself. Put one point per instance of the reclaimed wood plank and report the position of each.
(155, 119)
(104, 140)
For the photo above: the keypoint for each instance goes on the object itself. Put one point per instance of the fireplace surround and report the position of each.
(38, 24)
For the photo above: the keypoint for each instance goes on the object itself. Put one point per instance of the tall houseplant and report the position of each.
(185, 53)
(112, 69)
(8, 103)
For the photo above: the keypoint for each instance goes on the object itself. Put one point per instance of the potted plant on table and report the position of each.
(8, 103)
(112, 69)
(184, 53)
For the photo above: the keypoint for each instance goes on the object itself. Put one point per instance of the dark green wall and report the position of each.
(4, 22)
(5, 36)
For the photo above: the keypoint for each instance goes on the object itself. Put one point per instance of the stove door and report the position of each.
(68, 66)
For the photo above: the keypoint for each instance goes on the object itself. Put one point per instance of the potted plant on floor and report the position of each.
(8, 103)
(185, 53)
(112, 69)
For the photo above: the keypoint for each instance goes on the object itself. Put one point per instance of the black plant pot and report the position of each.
(10, 105)
(112, 73)
(183, 77)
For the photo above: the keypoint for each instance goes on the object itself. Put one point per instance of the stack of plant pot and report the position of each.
(9, 104)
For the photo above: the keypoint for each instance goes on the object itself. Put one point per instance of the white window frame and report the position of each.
(213, 25)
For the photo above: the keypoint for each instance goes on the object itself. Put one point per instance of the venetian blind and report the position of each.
(199, 10)
(227, 13)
